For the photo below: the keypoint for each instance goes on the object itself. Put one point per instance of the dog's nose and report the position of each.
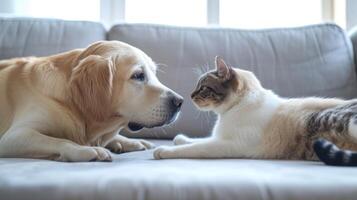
(176, 100)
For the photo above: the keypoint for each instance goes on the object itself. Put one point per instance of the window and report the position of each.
(63, 9)
(177, 12)
(271, 13)
(228, 13)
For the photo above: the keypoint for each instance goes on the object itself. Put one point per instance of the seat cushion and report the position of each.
(314, 60)
(138, 176)
(21, 37)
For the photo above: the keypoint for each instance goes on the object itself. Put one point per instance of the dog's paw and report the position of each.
(129, 145)
(162, 152)
(136, 145)
(181, 139)
(84, 154)
(115, 147)
(102, 154)
(147, 144)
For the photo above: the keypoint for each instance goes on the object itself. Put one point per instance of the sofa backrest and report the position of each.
(314, 60)
(21, 37)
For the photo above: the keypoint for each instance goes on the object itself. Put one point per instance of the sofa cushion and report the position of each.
(315, 60)
(137, 176)
(39, 37)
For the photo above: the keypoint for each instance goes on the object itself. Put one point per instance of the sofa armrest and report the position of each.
(353, 35)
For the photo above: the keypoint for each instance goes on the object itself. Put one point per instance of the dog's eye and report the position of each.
(138, 76)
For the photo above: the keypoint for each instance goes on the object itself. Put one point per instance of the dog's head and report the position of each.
(114, 79)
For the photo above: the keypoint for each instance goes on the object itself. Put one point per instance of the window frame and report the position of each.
(113, 11)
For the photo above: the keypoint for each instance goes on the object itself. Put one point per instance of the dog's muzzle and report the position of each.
(173, 104)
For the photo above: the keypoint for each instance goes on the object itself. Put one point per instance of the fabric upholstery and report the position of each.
(21, 37)
(137, 176)
(353, 35)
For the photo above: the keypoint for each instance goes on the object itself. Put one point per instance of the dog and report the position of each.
(71, 106)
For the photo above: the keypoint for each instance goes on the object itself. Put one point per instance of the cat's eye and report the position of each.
(204, 88)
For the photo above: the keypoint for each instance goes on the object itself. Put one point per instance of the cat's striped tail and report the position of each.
(330, 154)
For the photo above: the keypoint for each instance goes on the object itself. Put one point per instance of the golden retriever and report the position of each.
(71, 106)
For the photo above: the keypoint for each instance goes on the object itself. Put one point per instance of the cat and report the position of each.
(254, 122)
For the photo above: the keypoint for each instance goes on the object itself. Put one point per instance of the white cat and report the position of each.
(253, 122)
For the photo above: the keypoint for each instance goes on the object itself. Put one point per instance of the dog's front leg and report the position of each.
(121, 144)
(30, 143)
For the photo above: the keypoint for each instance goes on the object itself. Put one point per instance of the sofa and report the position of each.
(314, 60)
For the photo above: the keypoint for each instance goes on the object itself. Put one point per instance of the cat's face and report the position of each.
(215, 87)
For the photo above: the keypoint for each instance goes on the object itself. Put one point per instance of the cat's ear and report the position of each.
(223, 70)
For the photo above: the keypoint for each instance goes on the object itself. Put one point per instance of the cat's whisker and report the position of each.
(198, 114)
(164, 131)
(155, 134)
(198, 71)
(207, 68)
(207, 116)
(203, 69)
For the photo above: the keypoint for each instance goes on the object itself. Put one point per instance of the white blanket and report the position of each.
(137, 176)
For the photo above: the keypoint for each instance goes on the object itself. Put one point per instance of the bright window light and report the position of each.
(64, 9)
(175, 12)
(272, 13)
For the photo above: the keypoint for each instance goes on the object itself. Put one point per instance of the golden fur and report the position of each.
(75, 100)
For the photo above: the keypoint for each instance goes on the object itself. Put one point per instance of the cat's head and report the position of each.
(219, 89)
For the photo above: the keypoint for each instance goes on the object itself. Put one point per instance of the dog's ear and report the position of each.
(91, 86)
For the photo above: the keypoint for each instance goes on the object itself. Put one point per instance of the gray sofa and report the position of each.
(316, 60)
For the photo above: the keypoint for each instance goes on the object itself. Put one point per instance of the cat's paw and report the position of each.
(181, 139)
(161, 152)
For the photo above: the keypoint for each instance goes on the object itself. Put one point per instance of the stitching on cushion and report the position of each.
(27, 39)
(219, 29)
